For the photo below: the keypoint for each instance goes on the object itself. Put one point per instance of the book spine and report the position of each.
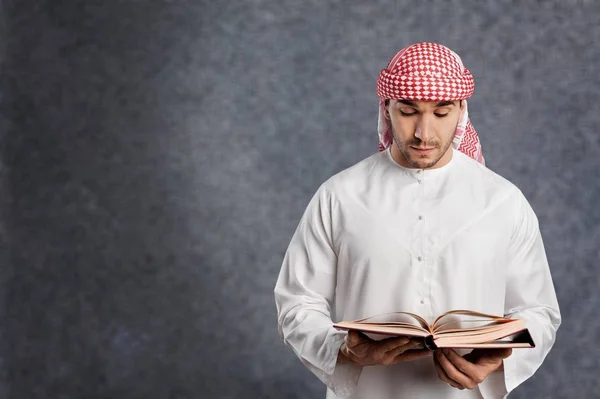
(430, 343)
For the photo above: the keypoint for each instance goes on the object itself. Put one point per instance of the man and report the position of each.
(422, 226)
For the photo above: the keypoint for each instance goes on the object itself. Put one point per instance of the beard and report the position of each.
(422, 161)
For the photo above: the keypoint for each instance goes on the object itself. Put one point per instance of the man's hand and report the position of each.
(470, 370)
(360, 350)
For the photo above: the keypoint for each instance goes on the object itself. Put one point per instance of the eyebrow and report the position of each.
(440, 104)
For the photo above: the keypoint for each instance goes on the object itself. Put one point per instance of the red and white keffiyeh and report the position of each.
(428, 72)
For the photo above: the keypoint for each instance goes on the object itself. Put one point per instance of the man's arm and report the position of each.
(530, 295)
(304, 295)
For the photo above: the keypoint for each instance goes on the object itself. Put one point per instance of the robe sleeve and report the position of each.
(304, 296)
(530, 295)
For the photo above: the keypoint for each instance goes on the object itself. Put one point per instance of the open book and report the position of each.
(453, 329)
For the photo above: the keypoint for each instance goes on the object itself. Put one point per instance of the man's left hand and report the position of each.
(470, 370)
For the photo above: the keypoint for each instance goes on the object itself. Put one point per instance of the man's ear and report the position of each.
(386, 113)
(463, 107)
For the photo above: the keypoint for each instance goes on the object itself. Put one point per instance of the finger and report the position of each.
(357, 354)
(418, 343)
(411, 355)
(353, 351)
(354, 339)
(464, 366)
(442, 374)
(399, 354)
(453, 373)
(412, 345)
(392, 354)
(392, 343)
(345, 351)
(486, 357)
(349, 347)
(387, 350)
(407, 356)
(389, 344)
(501, 353)
(363, 346)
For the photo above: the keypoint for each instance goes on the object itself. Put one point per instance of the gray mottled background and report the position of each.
(157, 156)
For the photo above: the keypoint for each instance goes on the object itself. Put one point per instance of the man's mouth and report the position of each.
(423, 150)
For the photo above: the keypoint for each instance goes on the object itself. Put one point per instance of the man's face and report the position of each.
(423, 131)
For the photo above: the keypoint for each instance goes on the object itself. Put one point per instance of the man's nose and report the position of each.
(423, 131)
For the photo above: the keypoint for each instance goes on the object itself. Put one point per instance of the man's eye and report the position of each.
(407, 113)
(442, 115)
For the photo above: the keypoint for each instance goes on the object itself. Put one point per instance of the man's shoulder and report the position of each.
(354, 174)
(485, 180)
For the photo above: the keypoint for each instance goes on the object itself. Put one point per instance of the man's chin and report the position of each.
(423, 165)
(422, 162)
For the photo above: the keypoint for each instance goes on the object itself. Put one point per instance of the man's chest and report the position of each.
(428, 231)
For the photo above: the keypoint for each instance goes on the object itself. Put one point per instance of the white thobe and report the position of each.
(378, 237)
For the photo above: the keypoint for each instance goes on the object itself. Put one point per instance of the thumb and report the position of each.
(352, 339)
(502, 353)
(493, 355)
(505, 353)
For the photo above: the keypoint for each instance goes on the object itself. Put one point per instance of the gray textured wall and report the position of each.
(157, 156)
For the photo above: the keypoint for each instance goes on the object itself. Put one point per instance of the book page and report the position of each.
(505, 334)
(450, 332)
(389, 324)
(401, 318)
(466, 320)
(384, 330)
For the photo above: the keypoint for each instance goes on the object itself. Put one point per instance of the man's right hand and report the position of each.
(360, 350)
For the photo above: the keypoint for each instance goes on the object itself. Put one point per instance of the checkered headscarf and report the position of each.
(428, 72)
